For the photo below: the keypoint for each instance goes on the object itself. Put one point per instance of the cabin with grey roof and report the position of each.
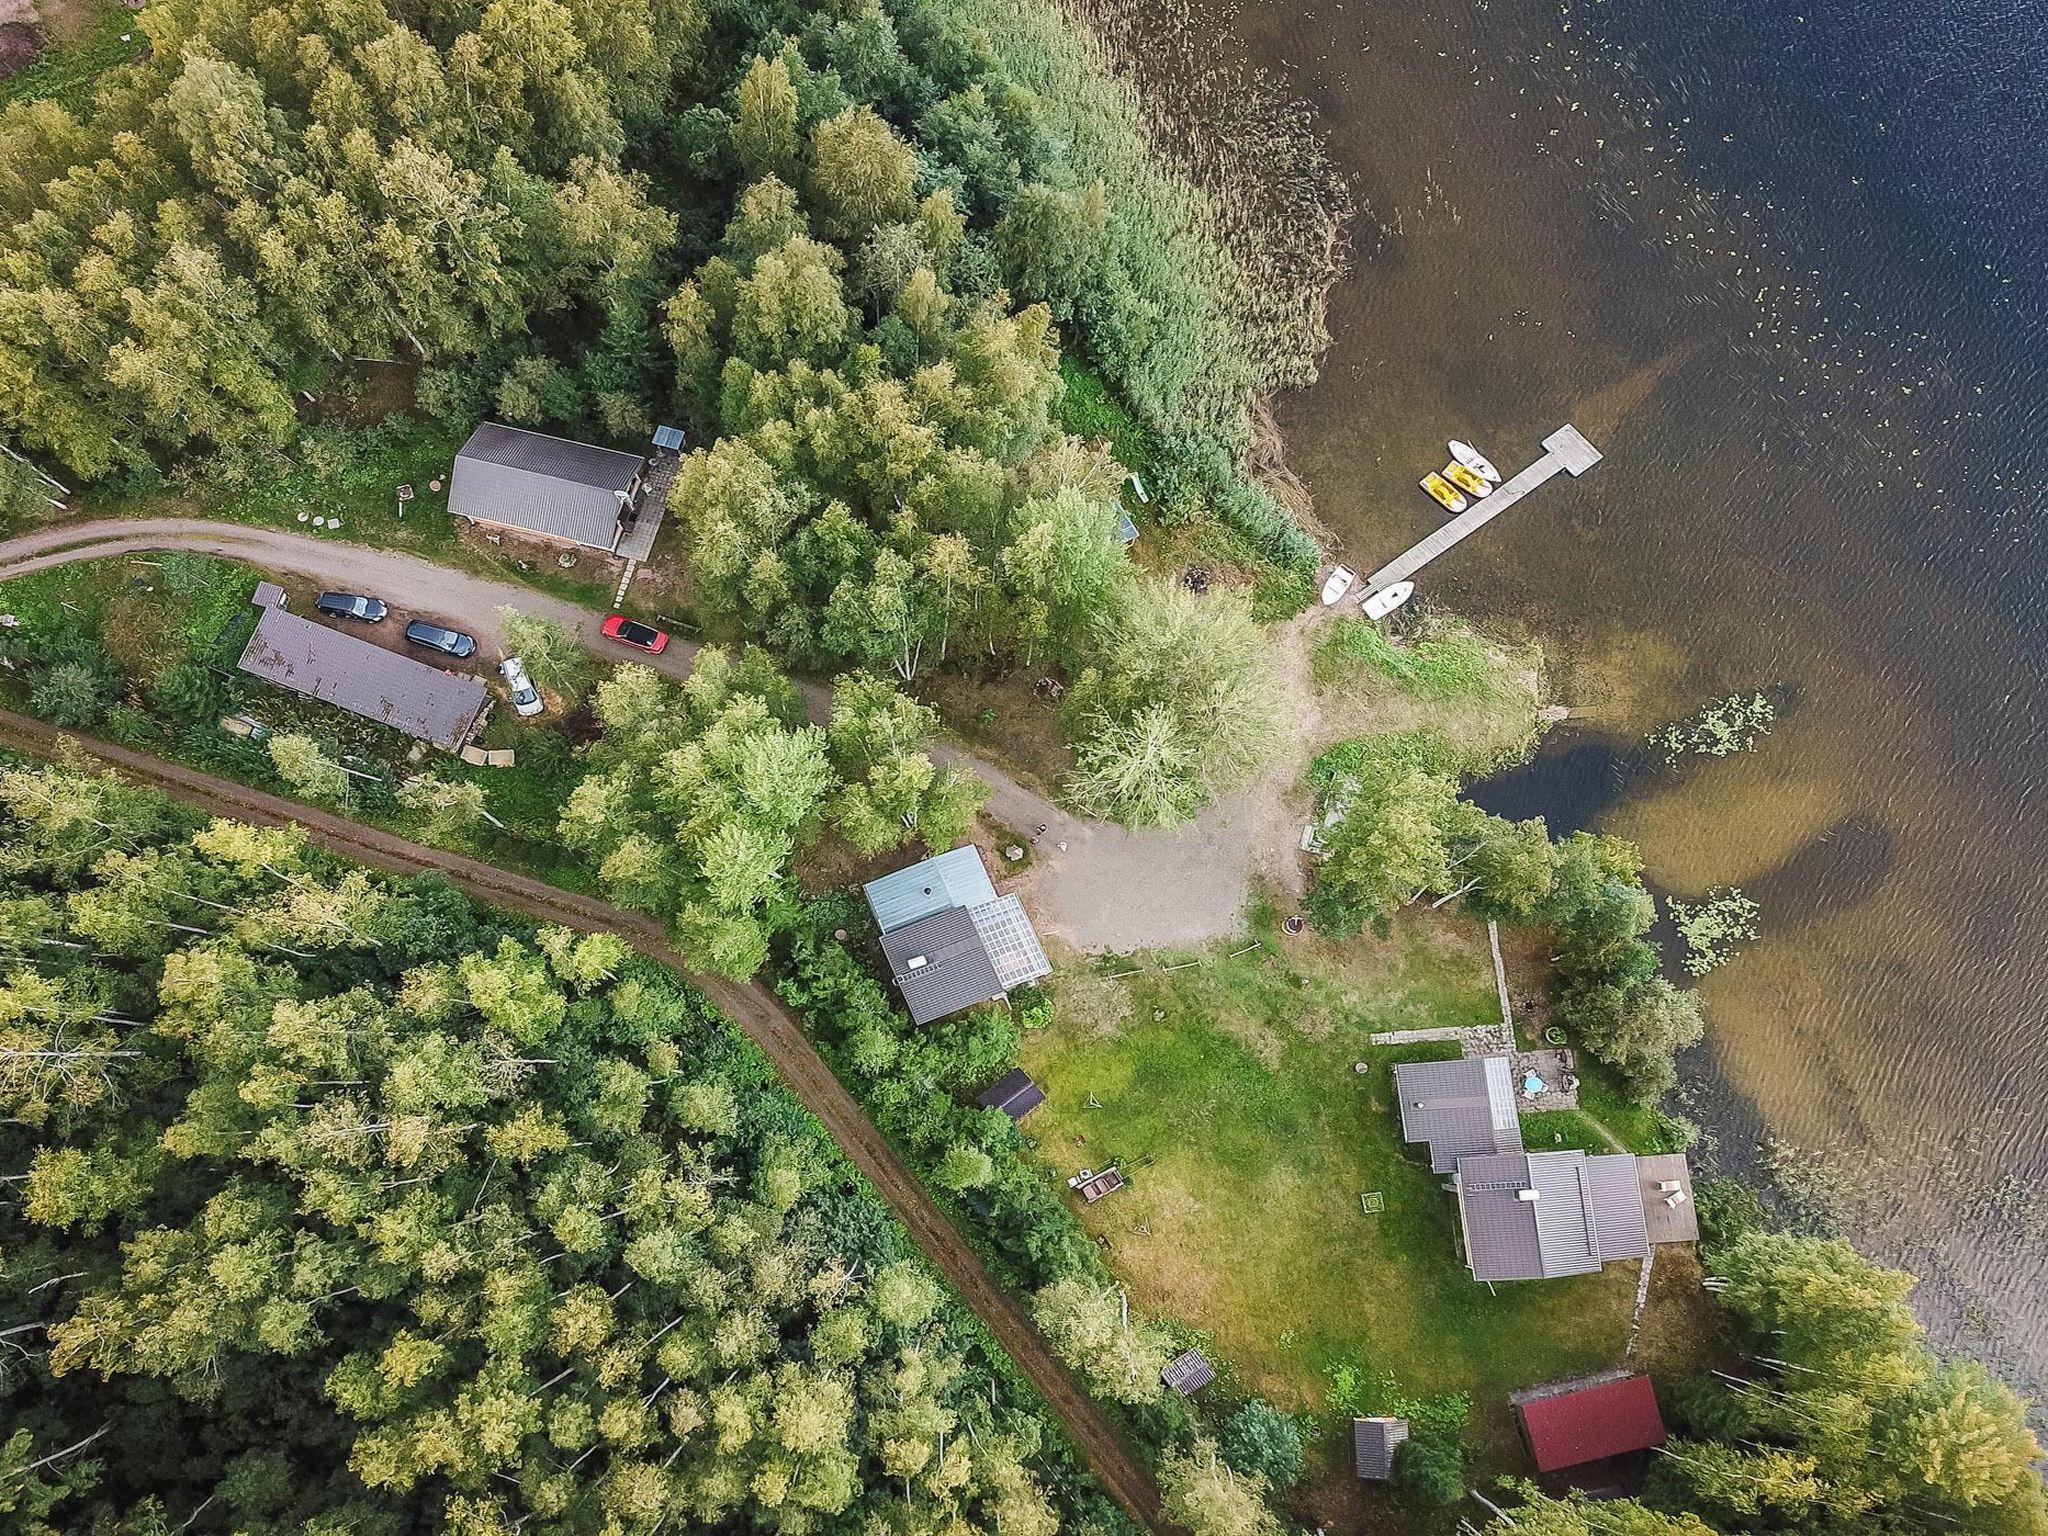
(352, 674)
(1538, 1215)
(950, 940)
(1460, 1108)
(550, 487)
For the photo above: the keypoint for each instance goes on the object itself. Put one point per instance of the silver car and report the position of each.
(525, 697)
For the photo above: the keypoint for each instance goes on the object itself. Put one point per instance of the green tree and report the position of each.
(449, 808)
(861, 174)
(555, 659)
(1432, 1468)
(1202, 1493)
(1635, 1027)
(304, 765)
(1091, 1330)
(1180, 691)
(892, 790)
(77, 693)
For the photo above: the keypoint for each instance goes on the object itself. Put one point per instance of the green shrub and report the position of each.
(1259, 1440)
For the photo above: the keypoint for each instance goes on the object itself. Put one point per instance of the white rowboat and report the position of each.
(1383, 602)
(1338, 584)
(1474, 460)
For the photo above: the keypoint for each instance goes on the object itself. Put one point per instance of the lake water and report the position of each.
(1783, 262)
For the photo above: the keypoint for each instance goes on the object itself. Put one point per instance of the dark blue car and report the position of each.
(452, 641)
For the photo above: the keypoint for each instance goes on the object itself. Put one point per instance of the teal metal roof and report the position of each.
(953, 879)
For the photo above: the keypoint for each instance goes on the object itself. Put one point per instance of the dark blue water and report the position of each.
(1900, 149)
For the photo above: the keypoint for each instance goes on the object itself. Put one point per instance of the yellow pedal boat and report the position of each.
(1465, 480)
(1443, 493)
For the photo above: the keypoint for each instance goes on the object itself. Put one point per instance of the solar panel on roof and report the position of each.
(1012, 945)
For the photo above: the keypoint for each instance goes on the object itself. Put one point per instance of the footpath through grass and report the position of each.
(1227, 1091)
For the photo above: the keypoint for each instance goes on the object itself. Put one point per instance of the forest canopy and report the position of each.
(346, 1206)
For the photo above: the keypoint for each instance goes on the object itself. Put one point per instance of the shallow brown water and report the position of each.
(1531, 252)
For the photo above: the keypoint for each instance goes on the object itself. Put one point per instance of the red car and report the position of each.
(630, 632)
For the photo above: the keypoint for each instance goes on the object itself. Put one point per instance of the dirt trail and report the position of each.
(1094, 885)
(749, 1005)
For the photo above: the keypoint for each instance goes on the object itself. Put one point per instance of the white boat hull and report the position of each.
(1338, 584)
(1474, 460)
(1384, 601)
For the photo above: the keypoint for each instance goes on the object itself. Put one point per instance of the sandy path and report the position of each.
(1093, 885)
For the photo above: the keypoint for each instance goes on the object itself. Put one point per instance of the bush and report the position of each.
(1432, 1468)
(1259, 1440)
(75, 693)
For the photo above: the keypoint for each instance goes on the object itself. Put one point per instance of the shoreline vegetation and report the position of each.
(933, 287)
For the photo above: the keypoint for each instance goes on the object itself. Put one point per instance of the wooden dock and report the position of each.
(1565, 449)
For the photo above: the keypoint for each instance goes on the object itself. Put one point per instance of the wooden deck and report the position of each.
(1565, 449)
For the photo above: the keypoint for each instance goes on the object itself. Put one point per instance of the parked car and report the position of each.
(351, 605)
(452, 641)
(631, 632)
(525, 697)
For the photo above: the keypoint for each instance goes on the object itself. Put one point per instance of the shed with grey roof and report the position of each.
(1538, 1215)
(1461, 1108)
(1372, 1446)
(1188, 1372)
(1014, 1094)
(365, 679)
(532, 483)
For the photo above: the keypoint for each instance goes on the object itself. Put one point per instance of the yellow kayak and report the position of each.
(1466, 481)
(1443, 493)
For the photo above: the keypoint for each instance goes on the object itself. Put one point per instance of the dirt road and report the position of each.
(749, 1005)
(1094, 885)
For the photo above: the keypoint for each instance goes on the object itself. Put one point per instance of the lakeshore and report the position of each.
(1779, 455)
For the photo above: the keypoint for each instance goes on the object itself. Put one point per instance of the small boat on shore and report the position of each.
(1474, 460)
(1442, 492)
(1383, 602)
(1338, 583)
(1471, 484)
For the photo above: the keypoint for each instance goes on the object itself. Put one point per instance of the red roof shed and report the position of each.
(1567, 1428)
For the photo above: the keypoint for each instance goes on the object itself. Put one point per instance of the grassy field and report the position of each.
(1228, 1092)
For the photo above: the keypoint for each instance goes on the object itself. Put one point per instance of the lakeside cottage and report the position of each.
(1535, 1215)
(950, 940)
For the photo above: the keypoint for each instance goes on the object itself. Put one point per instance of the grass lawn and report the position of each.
(1229, 1096)
(82, 40)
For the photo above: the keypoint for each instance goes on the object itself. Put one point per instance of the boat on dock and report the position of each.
(1474, 460)
(1338, 583)
(1442, 492)
(1472, 484)
(1383, 601)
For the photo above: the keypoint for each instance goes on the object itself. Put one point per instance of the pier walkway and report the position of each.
(1565, 449)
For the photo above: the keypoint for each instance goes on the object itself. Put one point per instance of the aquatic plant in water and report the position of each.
(1713, 926)
(1720, 729)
